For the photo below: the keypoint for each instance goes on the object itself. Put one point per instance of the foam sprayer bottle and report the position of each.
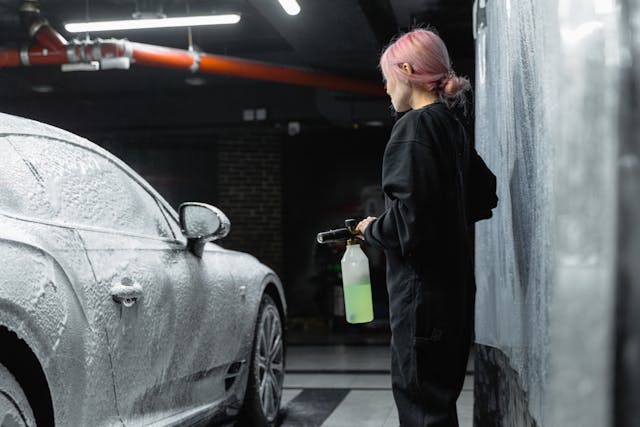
(356, 282)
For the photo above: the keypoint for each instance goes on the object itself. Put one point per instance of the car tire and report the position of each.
(14, 406)
(266, 371)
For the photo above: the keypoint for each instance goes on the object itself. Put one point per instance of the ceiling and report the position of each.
(343, 37)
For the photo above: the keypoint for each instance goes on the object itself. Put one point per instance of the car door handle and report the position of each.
(126, 292)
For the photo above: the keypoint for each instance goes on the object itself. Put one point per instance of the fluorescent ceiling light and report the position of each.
(290, 6)
(138, 24)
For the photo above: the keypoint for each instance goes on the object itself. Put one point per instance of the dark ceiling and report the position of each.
(343, 37)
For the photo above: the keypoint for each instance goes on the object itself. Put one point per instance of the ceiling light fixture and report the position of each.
(195, 81)
(290, 6)
(138, 24)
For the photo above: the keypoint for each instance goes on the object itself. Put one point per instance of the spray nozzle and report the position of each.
(341, 234)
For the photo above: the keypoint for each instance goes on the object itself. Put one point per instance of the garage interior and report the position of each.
(213, 138)
(286, 160)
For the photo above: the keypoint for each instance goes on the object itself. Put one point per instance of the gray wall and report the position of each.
(513, 256)
(627, 393)
(548, 105)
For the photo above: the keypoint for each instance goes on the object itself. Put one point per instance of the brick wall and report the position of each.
(250, 193)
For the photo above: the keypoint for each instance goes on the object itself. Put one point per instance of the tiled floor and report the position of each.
(342, 358)
(333, 386)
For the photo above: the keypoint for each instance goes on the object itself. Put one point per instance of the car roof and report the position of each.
(14, 125)
(19, 126)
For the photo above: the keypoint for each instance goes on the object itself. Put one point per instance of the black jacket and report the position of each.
(424, 229)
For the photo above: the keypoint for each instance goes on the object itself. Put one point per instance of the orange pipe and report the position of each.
(236, 67)
(278, 73)
(9, 58)
(50, 38)
(97, 51)
(157, 56)
(39, 55)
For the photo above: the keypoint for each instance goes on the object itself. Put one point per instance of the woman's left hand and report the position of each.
(362, 225)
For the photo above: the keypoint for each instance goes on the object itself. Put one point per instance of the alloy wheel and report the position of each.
(270, 362)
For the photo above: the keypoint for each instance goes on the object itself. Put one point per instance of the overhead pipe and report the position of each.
(149, 55)
(9, 58)
(52, 49)
(38, 27)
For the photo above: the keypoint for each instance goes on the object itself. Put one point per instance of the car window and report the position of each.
(87, 189)
(173, 223)
(21, 193)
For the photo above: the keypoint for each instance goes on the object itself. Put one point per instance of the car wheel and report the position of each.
(14, 406)
(266, 372)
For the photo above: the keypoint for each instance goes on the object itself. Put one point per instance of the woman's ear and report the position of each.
(407, 67)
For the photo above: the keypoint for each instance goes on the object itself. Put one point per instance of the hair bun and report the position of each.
(456, 85)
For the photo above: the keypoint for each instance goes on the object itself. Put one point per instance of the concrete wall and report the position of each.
(548, 106)
(627, 367)
(513, 257)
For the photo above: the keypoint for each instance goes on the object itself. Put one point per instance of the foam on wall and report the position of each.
(513, 262)
(546, 122)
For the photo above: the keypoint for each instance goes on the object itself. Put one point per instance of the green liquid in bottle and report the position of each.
(357, 303)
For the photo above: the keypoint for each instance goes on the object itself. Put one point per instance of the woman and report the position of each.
(424, 229)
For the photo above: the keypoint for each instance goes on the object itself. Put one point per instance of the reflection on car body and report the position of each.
(111, 312)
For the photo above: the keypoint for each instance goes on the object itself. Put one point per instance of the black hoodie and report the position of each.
(429, 205)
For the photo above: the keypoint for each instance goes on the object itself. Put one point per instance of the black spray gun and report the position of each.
(356, 282)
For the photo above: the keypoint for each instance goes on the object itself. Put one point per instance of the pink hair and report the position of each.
(427, 55)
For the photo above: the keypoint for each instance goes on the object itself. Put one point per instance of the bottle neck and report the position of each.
(353, 242)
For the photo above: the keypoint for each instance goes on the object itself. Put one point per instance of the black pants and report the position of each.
(431, 336)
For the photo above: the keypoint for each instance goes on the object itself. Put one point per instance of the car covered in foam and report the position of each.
(117, 310)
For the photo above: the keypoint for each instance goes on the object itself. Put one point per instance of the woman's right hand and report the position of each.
(362, 225)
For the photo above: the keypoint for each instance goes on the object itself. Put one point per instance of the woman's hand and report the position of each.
(362, 225)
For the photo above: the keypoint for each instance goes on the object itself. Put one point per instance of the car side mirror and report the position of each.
(202, 223)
